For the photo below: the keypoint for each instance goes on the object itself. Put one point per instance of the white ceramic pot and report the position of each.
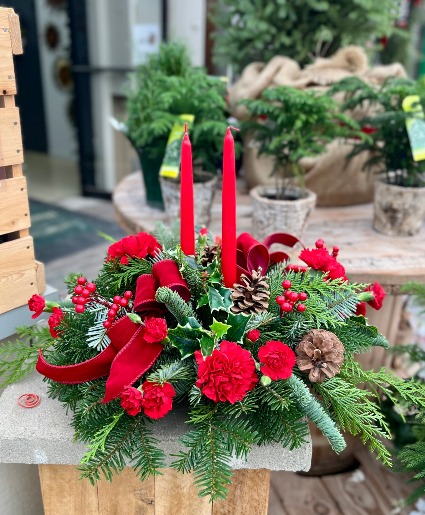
(398, 210)
(289, 216)
(204, 187)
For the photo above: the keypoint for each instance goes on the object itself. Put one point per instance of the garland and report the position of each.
(249, 364)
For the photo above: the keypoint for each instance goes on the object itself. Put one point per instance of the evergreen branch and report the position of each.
(181, 374)
(356, 413)
(18, 358)
(315, 412)
(412, 459)
(168, 237)
(147, 458)
(357, 336)
(180, 309)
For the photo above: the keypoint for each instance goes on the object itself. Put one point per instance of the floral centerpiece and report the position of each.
(248, 360)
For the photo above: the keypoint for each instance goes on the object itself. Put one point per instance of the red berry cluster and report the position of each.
(296, 268)
(291, 299)
(119, 302)
(320, 244)
(83, 292)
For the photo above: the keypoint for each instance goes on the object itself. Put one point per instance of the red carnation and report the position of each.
(137, 246)
(320, 259)
(278, 360)
(36, 304)
(155, 330)
(253, 335)
(228, 374)
(157, 399)
(361, 309)
(55, 320)
(131, 400)
(379, 295)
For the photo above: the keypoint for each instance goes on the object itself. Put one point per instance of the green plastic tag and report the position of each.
(171, 163)
(415, 126)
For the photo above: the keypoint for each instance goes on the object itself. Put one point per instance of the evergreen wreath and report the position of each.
(157, 328)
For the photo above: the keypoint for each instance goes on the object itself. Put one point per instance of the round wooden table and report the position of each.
(367, 255)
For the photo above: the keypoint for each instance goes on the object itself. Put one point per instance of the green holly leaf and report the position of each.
(203, 300)
(207, 345)
(238, 325)
(187, 338)
(219, 329)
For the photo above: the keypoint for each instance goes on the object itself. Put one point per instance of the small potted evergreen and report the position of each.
(288, 125)
(399, 203)
(162, 89)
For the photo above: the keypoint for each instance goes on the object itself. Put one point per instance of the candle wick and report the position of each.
(185, 128)
(234, 128)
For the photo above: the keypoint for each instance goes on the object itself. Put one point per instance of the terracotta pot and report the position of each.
(398, 210)
(204, 188)
(289, 216)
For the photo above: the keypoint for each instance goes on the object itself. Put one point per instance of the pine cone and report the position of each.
(252, 296)
(320, 354)
(208, 255)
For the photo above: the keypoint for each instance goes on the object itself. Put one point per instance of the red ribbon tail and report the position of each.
(131, 362)
(81, 372)
(288, 240)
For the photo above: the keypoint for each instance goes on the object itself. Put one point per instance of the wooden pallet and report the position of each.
(20, 275)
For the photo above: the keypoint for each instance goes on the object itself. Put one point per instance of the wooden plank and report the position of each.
(14, 207)
(393, 486)
(303, 495)
(276, 506)
(41, 277)
(11, 152)
(354, 494)
(18, 280)
(7, 71)
(248, 494)
(7, 101)
(64, 493)
(15, 33)
(126, 494)
(176, 493)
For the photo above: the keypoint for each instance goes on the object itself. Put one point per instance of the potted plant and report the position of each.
(248, 31)
(399, 202)
(161, 90)
(288, 125)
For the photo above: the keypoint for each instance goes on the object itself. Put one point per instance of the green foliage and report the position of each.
(18, 358)
(167, 86)
(180, 309)
(257, 30)
(412, 459)
(315, 412)
(290, 124)
(389, 143)
(357, 336)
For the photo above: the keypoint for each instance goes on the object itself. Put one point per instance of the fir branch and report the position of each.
(356, 413)
(315, 412)
(18, 358)
(181, 374)
(147, 458)
(180, 309)
(357, 336)
(168, 237)
(96, 334)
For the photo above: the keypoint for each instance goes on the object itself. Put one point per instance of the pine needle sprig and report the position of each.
(168, 237)
(181, 374)
(180, 309)
(18, 358)
(311, 407)
(147, 459)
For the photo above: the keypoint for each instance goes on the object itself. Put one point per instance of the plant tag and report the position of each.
(171, 163)
(415, 125)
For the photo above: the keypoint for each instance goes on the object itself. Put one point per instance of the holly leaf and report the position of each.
(187, 338)
(207, 345)
(218, 328)
(238, 325)
(203, 300)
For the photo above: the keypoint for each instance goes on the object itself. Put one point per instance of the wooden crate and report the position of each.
(20, 275)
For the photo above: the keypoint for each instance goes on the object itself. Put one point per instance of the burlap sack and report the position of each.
(336, 180)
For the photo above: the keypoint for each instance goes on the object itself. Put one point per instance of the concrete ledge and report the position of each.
(43, 435)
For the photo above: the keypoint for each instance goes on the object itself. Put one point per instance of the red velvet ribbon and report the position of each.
(129, 355)
(164, 273)
(251, 254)
(126, 358)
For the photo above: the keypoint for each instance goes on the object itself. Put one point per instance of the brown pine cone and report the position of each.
(208, 255)
(320, 354)
(252, 296)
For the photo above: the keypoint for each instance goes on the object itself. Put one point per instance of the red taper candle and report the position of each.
(228, 230)
(187, 215)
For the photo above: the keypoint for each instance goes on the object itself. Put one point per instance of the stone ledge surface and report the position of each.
(43, 435)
